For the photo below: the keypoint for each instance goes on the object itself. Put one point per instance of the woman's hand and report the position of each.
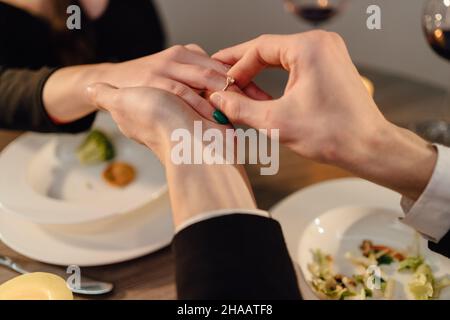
(326, 113)
(186, 71)
(149, 116)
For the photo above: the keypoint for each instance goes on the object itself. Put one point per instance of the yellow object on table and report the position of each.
(36, 286)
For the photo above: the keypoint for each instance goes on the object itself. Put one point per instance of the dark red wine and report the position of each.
(439, 40)
(316, 14)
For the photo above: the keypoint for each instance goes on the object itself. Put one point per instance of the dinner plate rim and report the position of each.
(117, 257)
(17, 209)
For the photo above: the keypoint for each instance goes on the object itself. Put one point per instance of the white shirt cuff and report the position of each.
(219, 213)
(430, 214)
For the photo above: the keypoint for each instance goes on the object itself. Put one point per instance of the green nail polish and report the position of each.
(220, 117)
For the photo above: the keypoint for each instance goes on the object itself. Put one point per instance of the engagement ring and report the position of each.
(230, 81)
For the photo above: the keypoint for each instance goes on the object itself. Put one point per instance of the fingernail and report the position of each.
(216, 99)
(220, 117)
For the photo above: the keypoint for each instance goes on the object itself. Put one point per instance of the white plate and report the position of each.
(342, 230)
(103, 242)
(298, 211)
(42, 180)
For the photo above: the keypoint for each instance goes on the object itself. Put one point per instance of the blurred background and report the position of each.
(399, 47)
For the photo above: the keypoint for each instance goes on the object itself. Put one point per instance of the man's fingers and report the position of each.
(247, 68)
(233, 54)
(248, 59)
(242, 110)
(102, 95)
(255, 92)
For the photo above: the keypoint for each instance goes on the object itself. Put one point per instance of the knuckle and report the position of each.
(337, 39)
(178, 89)
(320, 38)
(264, 37)
(165, 67)
(175, 51)
(209, 73)
(320, 43)
(340, 40)
(320, 34)
(195, 46)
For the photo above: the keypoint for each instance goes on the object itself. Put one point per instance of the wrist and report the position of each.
(102, 72)
(159, 138)
(394, 157)
(64, 92)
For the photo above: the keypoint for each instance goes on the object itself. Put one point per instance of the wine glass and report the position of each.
(436, 26)
(315, 12)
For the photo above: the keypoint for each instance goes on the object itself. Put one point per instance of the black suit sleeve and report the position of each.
(443, 247)
(234, 257)
(21, 106)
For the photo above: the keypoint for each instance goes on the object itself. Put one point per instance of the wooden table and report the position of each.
(152, 277)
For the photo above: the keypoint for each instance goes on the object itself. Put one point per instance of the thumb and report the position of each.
(102, 95)
(240, 109)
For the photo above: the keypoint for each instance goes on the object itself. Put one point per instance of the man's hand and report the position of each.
(320, 114)
(326, 113)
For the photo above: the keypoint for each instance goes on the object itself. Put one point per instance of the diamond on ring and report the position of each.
(230, 81)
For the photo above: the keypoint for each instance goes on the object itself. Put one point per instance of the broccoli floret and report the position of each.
(385, 259)
(96, 148)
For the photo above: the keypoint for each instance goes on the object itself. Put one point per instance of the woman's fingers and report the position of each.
(197, 56)
(198, 77)
(196, 48)
(194, 56)
(198, 103)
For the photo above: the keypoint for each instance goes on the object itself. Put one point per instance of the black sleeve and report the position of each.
(234, 257)
(443, 247)
(21, 106)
